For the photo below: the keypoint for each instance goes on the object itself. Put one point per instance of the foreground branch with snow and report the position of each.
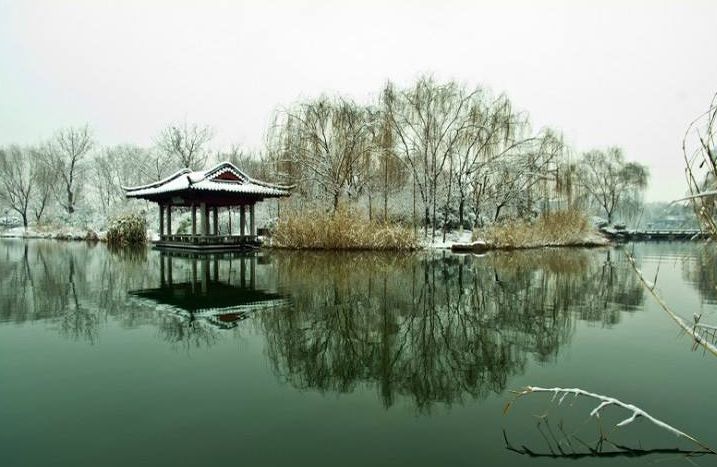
(604, 401)
(691, 330)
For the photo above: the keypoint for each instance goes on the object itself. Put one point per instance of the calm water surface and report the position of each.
(288, 358)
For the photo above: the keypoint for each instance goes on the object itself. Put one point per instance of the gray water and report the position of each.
(306, 358)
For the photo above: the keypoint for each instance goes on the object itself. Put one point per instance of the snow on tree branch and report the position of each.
(691, 330)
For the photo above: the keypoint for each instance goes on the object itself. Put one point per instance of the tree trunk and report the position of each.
(461, 207)
(70, 201)
(426, 220)
(497, 212)
(433, 226)
(415, 227)
(385, 191)
(370, 206)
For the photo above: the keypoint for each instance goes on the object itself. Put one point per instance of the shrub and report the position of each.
(127, 229)
(341, 230)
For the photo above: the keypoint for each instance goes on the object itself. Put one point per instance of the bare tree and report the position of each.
(251, 162)
(118, 166)
(541, 163)
(187, 144)
(391, 169)
(64, 156)
(495, 132)
(430, 119)
(610, 181)
(328, 140)
(44, 185)
(16, 180)
(157, 165)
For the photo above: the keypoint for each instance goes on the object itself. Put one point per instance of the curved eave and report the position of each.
(185, 181)
(158, 183)
(202, 188)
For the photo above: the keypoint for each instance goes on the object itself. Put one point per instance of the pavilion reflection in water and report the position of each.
(219, 288)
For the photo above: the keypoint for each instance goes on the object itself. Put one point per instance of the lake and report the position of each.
(309, 358)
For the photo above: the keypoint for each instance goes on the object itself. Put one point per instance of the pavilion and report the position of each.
(221, 187)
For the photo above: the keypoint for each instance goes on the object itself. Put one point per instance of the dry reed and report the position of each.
(560, 228)
(341, 230)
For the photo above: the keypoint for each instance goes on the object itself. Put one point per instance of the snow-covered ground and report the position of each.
(58, 233)
(64, 233)
(464, 238)
(453, 237)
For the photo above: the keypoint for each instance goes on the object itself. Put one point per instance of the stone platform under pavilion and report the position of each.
(206, 194)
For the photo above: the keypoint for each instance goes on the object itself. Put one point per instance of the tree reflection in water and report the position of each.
(700, 270)
(436, 328)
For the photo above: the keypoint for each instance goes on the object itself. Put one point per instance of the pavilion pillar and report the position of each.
(194, 220)
(215, 219)
(161, 220)
(252, 225)
(169, 270)
(242, 220)
(229, 211)
(204, 272)
(252, 272)
(161, 269)
(194, 274)
(169, 219)
(205, 221)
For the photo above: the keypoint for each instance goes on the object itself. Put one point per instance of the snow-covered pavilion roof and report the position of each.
(223, 306)
(223, 179)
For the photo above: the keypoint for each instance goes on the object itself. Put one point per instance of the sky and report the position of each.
(627, 73)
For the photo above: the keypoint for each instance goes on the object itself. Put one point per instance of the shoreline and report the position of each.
(455, 246)
(485, 248)
(458, 241)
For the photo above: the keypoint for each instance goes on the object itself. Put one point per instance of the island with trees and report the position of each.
(431, 164)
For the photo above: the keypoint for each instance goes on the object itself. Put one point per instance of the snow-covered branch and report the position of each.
(689, 329)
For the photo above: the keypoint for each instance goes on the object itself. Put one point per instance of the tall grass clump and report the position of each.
(560, 228)
(127, 229)
(340, 230)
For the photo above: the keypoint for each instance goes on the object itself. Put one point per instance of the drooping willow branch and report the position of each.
(691, 330)
(605, 401)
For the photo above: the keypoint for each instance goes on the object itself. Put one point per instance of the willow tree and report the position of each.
(610, 181)
(494, 132)
(328, 141)
(390, 174)
(430, 120)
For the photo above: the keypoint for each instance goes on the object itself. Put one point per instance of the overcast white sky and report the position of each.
(632, 74)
